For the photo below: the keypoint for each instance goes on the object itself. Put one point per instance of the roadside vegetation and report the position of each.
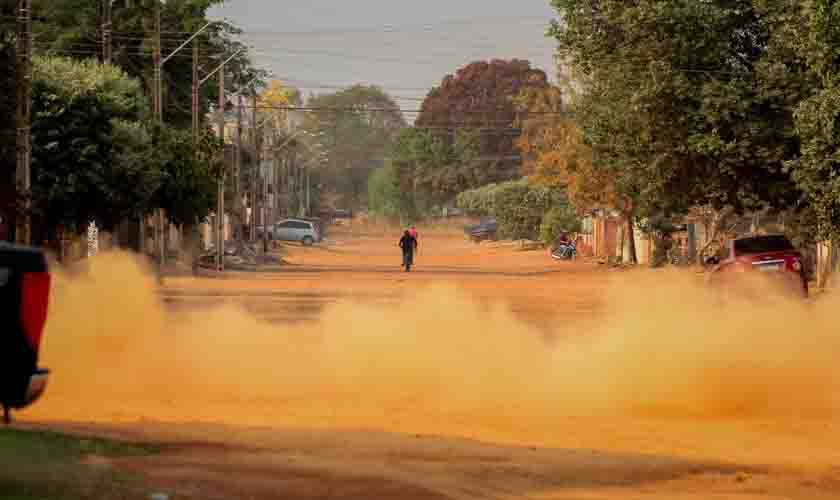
(660, 110)
(45, 465)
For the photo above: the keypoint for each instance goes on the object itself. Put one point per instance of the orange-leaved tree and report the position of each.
(554, 153)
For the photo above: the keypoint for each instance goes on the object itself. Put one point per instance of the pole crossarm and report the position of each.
(189, 40)
(219, 68)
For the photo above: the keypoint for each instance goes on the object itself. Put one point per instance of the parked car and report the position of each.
(773, 255)
(341, 217)
(300, 230)
(484, 230)
(320, 227)
(24, 296)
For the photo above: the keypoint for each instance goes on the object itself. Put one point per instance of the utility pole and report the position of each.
(23, 234)
(252, 189)
(258, 146)
(237, 168)
(301, 188)
(195, 86)
(308, 188)
(107, 30)
(158, 112)
(220, 207)
(257, 170)
(157, 90)
(275, 198)
(220, 210)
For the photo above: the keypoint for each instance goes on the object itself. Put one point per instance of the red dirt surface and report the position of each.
(433, 442)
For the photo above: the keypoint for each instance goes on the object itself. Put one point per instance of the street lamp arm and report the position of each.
(189, 40)
(245, 87)
(219, 68)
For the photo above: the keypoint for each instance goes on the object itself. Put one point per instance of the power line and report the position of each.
(403, 110)
(431, 27)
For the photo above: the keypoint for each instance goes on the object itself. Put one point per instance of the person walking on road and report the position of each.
(413, 232)
(408, 244)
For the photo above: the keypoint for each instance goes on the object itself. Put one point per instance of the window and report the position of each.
(762, 244)
(300, 225)
(286, 225)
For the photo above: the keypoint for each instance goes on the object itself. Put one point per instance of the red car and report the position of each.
(772, 255)
(24, 296)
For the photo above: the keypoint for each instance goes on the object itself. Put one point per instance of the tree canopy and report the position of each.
(815, 40)
(95, 159)
(685, 103)
(481, 96)
(355, 128)
(437, 167)
(9, 201)
(72, 30)
(76, 106)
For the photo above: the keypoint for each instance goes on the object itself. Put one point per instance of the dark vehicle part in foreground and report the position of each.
(774, 256)
(24, 298)
(485, 230)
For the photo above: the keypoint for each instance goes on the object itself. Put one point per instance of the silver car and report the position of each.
(296, 230)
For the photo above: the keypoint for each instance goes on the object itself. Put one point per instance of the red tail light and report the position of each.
(33, 314)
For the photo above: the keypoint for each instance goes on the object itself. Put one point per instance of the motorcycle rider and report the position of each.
(564, 247)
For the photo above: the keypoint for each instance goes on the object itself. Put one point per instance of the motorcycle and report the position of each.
(565, 251)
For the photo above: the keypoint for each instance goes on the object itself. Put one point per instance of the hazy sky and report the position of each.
(405, 46)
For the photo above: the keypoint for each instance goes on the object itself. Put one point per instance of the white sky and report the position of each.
(404, 46)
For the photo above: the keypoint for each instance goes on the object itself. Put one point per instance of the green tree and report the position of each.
(816, 40)
(355, 131)
(685, 103)
(386, 198)
(79, 110)
(8, 106)
(522, 209)
(71, 29)
(562, 218)
(188, 181)
(437, 168)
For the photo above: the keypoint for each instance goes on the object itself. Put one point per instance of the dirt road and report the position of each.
(485, 373)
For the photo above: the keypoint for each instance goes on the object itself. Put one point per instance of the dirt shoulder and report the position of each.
(273, 429)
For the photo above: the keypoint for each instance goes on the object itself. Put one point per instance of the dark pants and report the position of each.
(408, 259)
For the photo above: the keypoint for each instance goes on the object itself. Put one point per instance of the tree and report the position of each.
(481, 96)
(386, 198)
(272, 101)
(72, 26)
(354, 128)
(8, 105)
(79, 110)
(188, 187)
(684, 103)
(555, 155)
(818, 116)
(523, 210)
(437, 168)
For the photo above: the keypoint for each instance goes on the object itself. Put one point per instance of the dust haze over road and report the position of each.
(678, 393)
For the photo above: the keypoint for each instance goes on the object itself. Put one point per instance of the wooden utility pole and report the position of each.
(158, 112)
(257, 169)
(157, 87)
(309, 190)
(220, 210)
(23, 232)
(107, 31)
(195, 86)
(237, 169)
